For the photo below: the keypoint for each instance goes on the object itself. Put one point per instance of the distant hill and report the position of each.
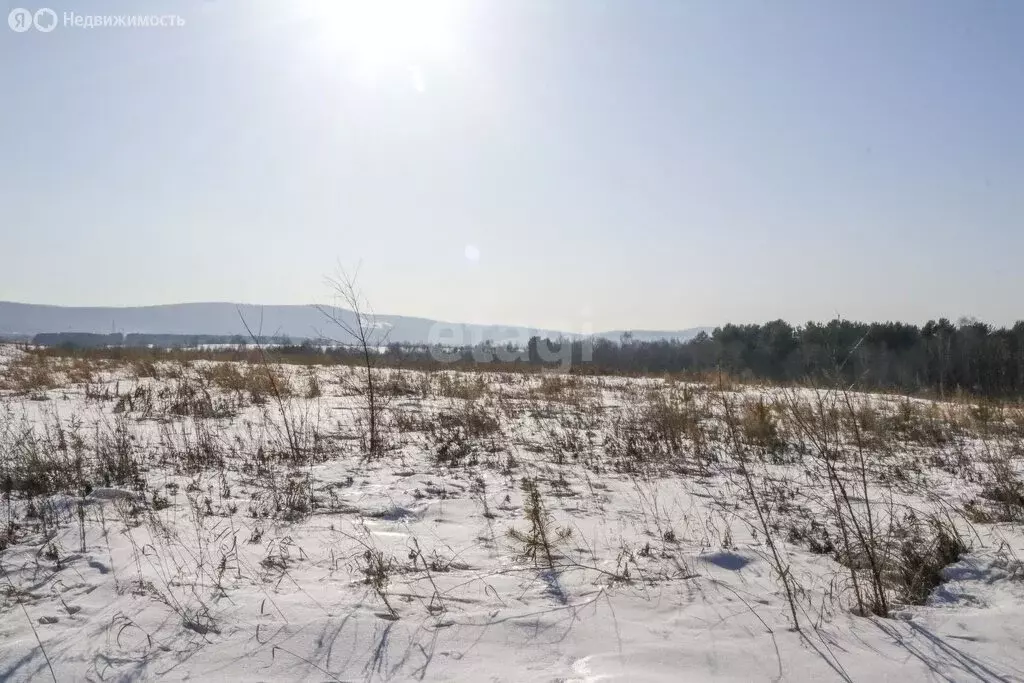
(297, 322)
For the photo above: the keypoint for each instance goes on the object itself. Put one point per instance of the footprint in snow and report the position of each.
(582, 672)
(110, 493)
(726, 560)
(395, 513)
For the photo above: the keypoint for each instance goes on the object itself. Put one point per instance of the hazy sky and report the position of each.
(569, 164)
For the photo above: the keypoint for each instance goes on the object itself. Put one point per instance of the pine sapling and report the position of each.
(539, 542)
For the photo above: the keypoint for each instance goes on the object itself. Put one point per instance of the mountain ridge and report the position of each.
(294, 320)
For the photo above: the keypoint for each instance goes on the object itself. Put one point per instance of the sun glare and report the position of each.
(387, 32)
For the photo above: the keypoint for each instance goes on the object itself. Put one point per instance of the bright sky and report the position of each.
(567, 164)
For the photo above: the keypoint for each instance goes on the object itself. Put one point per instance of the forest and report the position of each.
(937, 358)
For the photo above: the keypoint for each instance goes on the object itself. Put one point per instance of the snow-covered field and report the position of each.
(209, 522)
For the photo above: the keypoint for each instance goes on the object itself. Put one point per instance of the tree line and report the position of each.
(89, 340)
(937, 358)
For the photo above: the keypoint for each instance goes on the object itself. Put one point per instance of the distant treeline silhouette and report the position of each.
(937, 358)
(88, 340)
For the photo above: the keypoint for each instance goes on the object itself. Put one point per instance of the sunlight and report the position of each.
(387, 32)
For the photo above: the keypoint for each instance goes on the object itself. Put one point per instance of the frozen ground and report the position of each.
(179, 522)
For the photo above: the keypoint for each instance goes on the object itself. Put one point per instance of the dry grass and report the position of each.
(467, 387)
(808, 468)
(260, 382)
(34, 374)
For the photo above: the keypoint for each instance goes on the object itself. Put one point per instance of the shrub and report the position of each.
(457, 433)
(760, 427)
(925, 551)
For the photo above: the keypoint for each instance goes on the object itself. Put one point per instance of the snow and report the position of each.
(663, 578)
